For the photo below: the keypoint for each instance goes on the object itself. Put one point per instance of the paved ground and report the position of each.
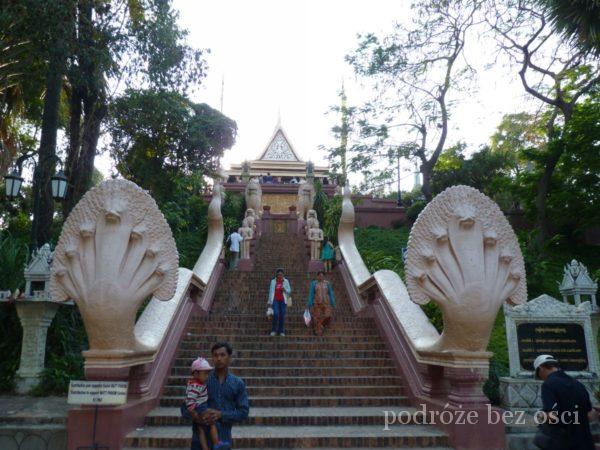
(33, 410)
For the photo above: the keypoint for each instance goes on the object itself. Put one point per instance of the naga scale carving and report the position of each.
(115, 250)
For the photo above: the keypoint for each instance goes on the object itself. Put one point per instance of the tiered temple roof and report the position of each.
(279, 158)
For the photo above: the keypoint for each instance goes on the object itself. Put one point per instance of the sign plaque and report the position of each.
(565, 341)
(101, 393)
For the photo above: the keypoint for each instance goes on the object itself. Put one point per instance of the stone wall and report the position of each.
(24, 437)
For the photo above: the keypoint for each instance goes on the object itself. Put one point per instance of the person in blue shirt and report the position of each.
(228, 402)
(321, 302)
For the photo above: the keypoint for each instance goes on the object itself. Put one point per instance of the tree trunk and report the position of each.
(426, 169)
(72, 161)
(94, 112)
(90, 92)
(44, 206)
(543, 187)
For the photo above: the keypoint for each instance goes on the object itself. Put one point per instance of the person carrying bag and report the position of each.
(280, 297)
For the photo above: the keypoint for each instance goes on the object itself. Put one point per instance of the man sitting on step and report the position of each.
(227, 397)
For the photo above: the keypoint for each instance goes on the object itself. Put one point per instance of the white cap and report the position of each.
(543, 359)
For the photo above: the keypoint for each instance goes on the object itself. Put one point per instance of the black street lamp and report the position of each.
(59, 186)
(14, 181)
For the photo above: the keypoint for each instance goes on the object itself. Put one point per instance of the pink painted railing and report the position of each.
(403, 325)
(162, 325)
(146, 382)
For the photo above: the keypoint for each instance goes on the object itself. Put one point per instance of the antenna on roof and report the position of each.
(278, 117)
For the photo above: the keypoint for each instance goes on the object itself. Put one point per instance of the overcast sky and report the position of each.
(288, 56)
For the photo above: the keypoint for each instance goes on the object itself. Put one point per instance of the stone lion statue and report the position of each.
(306, 198)
(254, 196)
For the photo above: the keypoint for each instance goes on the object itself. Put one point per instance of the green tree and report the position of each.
(159, 136)
(577, 20)
(485, 170)
(417, 73)
(138, 42)
(516, 133)
(553, 72)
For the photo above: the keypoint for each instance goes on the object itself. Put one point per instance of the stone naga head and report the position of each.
(464, 255)
(115, 250)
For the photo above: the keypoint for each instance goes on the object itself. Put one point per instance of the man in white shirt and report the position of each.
(234, 247)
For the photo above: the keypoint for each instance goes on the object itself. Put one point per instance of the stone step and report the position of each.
(294, 339)
(304, 401)
(291, 329)
(317, 416)
(302, 448)
(312, 380)
(244, 319)
(309, 362)
(247, 436)
(298, 353)
(273, 345)
(299, 371)
(306, 390)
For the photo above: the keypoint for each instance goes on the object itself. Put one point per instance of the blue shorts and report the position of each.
(199, 409)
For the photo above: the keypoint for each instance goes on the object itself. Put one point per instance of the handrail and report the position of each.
(438, 384)
(356, 266)
(161, 328)
(214, 243)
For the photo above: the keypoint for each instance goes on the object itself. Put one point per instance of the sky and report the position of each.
(286, 58)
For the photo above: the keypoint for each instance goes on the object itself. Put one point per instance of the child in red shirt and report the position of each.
(196, 401)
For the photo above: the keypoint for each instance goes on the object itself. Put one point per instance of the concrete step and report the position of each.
(298, 371)
(251, 318)
(304, 448)
(246, 436)
(292, 339)
(272, 345)
(306, 401)
(310, 362)
(312, 380)
(297, 353)
(315, 416)
(306, 390)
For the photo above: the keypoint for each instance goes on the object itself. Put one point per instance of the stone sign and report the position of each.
(565, 341)
(546, 325)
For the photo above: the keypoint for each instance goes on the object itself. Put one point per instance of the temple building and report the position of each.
(279, 169)
(278, 160)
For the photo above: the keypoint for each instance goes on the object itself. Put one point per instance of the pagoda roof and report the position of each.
(279, 148)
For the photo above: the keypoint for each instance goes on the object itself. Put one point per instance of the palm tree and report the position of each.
(13, 65)
(578, 20)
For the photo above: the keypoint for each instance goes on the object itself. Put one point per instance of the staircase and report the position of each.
(305, 391)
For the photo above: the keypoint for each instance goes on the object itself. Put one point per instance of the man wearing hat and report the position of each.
(567, 403)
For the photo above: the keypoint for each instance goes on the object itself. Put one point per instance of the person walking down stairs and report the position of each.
(321, 302)
(280, 293)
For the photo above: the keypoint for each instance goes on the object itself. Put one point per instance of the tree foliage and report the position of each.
(416, 72)
(576, 20)
(159, 136)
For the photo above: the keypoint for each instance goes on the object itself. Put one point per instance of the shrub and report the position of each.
(415, 209)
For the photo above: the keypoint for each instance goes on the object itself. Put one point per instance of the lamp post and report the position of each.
(399, 201)
(14, 181)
